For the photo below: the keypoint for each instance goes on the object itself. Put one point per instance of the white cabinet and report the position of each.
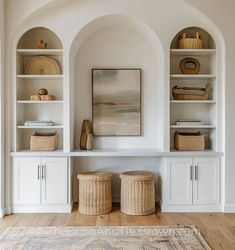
(179, 190)
(54, 181)
(191, 181)
(206, 185)
(26, 181)
(41, 184)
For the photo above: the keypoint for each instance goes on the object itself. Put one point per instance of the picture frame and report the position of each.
(116, 101)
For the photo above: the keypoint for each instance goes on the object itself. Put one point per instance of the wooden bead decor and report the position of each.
(189, 66)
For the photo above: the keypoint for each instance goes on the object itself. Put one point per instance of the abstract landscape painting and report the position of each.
(116, 102)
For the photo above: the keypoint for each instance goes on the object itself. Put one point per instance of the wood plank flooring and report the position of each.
(218, 229)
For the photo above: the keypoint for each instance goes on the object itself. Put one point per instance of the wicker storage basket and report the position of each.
(44, 141)
(186, 93)
(137, 193)
(190, 43)
(42, 65)
(194, 141)
(95, 193)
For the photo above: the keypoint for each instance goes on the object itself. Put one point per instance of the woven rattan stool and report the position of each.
(95, 193)
(137, 193)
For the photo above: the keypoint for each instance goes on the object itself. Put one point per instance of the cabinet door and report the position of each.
(179, 181)
(206, 181)
(26, 181)
(54, 181)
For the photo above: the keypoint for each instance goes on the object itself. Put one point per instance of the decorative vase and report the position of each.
(86, 130)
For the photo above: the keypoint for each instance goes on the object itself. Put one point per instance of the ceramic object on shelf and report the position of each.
(86, 135)
(41, 45)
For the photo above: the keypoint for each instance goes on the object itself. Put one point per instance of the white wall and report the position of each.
(165, 18)
(2, 33)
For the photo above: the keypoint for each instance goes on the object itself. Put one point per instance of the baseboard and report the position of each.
(42, 208)
(2, 213)
(229, 208)
(8, 210)
(5, 211)
(191, 209)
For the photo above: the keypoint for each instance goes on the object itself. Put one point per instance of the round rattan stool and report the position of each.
(137, 193)
(95, 193)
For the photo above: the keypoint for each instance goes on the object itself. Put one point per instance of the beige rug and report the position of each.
(110, 238)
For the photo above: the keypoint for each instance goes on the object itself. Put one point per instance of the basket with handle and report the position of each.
(191, 42)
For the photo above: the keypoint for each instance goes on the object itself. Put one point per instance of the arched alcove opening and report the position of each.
(202, 112)
(119, 42)
(31, 37)
(208, 41)
(28, 83)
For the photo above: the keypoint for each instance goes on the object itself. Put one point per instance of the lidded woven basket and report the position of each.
(137, 193)
(95, 193)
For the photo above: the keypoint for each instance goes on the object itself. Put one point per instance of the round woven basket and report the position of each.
(95, 193)
(42, 65)
(137, 193)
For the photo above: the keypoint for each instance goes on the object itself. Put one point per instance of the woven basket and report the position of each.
(190, 43)
(189, 141)
(137, 193)
(95, 193)
(196, 93)
(42, 65)
(44, 141)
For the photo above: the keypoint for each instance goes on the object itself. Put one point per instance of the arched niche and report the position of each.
(117, 41)
(30, 38)
(203, 110)
(207, 40)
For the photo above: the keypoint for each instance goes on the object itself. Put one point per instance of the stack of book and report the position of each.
(189, 123)
(39, 123)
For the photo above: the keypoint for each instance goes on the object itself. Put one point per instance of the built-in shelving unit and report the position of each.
(27, 85)
(205, 110)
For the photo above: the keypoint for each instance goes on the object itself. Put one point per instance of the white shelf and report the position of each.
(40, 76)
(193, 101)
(40, 102)
(199, 76)
(193, 52)
(40, 127)
(40, 51)
(118, 152)
(194, 127)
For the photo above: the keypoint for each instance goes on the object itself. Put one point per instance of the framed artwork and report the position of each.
(116, 102)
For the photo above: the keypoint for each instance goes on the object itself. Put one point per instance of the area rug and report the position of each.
(110, 238)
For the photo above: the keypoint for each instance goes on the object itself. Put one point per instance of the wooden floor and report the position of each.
(218, 229)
